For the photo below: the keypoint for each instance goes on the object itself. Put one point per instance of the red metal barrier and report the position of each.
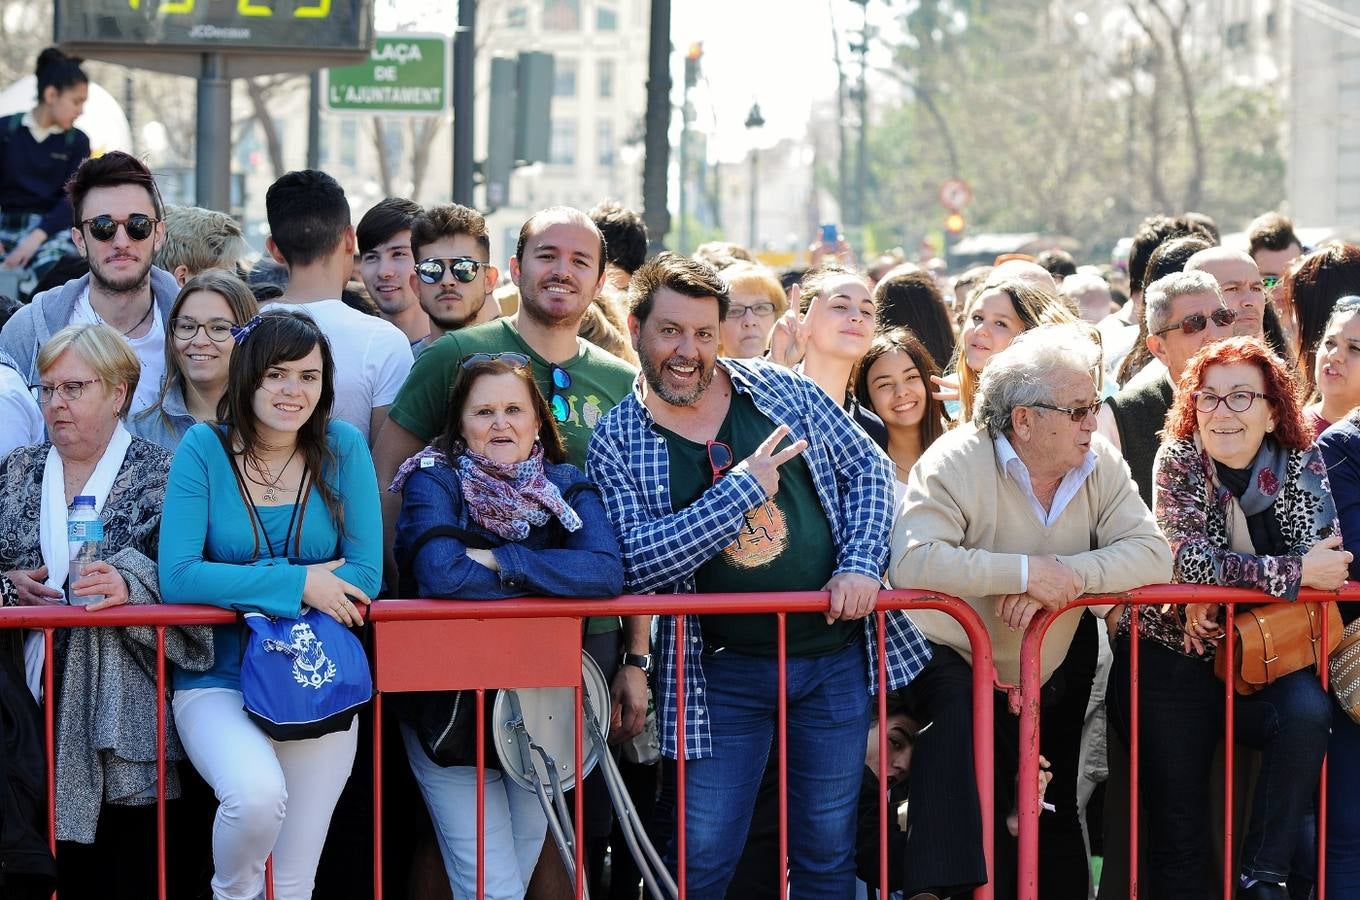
(423, 645)
(1158, 595)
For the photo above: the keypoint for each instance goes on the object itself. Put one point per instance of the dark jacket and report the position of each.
(1340, 446)
(26, 865)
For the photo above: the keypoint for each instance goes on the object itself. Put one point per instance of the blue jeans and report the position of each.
(1343, 812)
(1180, 724)
(828, 726)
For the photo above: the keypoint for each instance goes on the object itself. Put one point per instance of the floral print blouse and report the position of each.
(1195, 524)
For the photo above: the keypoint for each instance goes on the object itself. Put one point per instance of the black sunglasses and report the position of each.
(1197, 322)
(138, 226)
(463, 268)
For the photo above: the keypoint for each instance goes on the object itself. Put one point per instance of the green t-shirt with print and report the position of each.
(785, 544)
(598, 382)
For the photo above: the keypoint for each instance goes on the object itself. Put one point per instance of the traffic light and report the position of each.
(696, 53)
(533, 106)
(953, 223)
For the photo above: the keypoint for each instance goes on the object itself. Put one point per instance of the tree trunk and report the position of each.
(259, 102)
(384, 160)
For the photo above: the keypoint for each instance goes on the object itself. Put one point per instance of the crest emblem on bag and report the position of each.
(311, 666)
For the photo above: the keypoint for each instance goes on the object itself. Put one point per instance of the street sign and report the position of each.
(955, 194)
(404, 74)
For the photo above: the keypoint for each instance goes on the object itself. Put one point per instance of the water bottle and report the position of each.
(85, 544)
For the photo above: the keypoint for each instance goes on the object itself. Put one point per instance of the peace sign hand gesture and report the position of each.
(789, 339)
(765, 462)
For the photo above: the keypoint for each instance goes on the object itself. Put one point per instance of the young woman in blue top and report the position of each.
(39, 152)
(524, 523)
(275, 509)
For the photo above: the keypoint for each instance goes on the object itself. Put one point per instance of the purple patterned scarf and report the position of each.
(504, 498)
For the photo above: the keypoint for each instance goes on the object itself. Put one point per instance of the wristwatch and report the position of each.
(642, 660)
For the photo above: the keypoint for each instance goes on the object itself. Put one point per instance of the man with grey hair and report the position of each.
(1184, 311)
(1021, 510)
(197, 239)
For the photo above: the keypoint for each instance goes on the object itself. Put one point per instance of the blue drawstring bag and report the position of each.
(302, 678)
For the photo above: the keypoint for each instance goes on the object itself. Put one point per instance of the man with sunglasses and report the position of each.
(1184, 311)
(740, 475)
(118, 227)
(451, 274)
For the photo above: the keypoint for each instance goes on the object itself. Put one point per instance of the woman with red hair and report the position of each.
(1243, 498)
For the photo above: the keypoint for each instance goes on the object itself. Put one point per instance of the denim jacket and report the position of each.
(551, 561)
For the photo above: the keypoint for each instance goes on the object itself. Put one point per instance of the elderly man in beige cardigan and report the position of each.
(1023, 509)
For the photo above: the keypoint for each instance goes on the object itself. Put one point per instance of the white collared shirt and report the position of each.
(1018, 472)
(39, 133)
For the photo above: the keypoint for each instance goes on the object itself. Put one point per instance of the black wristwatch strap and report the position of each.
(642, 660)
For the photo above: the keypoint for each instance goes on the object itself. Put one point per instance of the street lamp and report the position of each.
(754, 120)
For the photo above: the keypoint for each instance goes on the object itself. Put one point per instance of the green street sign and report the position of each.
(405, 73)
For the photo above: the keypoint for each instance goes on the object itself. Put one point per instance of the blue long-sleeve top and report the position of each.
(33, 175)
(207, 547)
(551, 561)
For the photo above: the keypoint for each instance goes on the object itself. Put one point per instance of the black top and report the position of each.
(33, 176)
(1140, 414)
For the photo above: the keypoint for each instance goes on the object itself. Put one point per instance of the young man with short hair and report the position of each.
(451, 274)
(118, 227)
(312, 236)
(386, 265)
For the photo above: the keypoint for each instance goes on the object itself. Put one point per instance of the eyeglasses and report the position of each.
(1269, 281)
(70, 391)
(186, 329)
(138, 226)
(1076, 413)
(463, 268)
(1207, 402)
(510, 358)
(738, 311)
(1197, 322)
(561, 378)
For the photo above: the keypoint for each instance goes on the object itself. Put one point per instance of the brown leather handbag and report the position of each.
(1274, 639)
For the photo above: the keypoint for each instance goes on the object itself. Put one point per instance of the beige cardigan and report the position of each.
(965, 525)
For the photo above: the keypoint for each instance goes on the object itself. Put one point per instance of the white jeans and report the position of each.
(515, 824)
(275, 796)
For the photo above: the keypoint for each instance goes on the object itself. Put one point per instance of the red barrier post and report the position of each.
(782, 718)
(1229, 651)
(481, 793)
(880, 629)
(377, 796)
(160, 762)
(1134, 704)
(680, 754)
(579, 793)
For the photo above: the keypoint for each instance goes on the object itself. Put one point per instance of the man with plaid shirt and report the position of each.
(741, 476)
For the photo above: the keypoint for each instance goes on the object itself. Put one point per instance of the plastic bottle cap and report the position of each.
(84, 500)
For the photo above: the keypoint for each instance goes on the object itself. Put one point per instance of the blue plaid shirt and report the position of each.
(663, 548)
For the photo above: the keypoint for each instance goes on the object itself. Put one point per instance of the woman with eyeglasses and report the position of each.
(1337, 371)
(1243, 497)
(198, 348)
(275, 510)
(39, 152)
(105, 688)
(757, 302)
(490, 509)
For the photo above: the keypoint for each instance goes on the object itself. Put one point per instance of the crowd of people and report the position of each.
(372, 411)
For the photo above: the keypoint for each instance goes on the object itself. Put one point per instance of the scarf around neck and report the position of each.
(506, 499)
(1261, 491)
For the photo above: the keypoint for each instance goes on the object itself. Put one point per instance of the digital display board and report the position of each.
(206, 26)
